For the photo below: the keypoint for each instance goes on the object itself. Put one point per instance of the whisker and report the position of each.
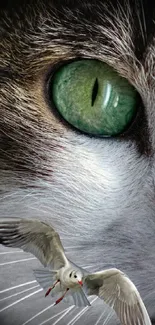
(87, 267)
(38, 314)
(18, 301)
(64, 312)
(108, 318)
(18, 286)
(98, 320)
(71, 247)
(11, 252)
(63, 315)
(106, 308)
(18, 293)
(18, 261)
(77, 316)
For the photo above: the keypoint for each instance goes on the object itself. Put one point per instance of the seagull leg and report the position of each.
(49, 290)
(57, 301)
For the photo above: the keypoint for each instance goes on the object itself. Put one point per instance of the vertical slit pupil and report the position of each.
(94, 92)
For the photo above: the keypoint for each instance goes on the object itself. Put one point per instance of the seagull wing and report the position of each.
(35, 237)
(118, 291)
(77, 298)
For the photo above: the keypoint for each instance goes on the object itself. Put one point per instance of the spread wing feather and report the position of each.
(118, 291)
(35, 237)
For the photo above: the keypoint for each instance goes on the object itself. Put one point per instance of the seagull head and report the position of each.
(76, 277)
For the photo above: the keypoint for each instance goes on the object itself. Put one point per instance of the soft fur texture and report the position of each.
(98, 193)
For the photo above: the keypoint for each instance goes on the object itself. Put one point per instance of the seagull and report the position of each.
(71, 281)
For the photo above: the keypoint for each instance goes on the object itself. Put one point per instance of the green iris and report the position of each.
(93, 97)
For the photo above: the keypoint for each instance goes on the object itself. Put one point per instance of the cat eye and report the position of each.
(93, 97)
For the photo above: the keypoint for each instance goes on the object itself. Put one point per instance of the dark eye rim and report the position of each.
(135, 123)
(124, 134)
(57, 65)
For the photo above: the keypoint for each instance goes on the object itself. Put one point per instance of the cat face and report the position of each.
(98, 192)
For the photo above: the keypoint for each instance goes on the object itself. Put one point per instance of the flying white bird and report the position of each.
(73, 282)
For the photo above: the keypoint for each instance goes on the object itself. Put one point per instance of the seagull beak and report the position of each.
(81, 283)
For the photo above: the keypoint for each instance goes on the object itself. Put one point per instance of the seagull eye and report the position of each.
(75, 276)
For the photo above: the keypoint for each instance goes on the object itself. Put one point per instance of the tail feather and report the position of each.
(46, 279)
(77, 298)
